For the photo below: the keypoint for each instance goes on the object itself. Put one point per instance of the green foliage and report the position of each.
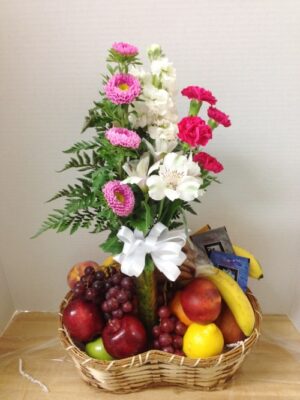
(80, 146)
(207, 179)
(144, 217)
(112, 245)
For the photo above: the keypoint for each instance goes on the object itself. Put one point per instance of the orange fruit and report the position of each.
(176, 309)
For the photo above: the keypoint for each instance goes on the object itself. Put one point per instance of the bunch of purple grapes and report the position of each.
(114, 291)
(91, 286)
(168, 335)
(120, 296)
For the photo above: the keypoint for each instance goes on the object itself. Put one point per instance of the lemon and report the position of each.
(203, 341)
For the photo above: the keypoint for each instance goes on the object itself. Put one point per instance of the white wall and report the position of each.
(6, 302)
(246, 52)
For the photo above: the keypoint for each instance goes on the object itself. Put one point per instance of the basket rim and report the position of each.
(152, 355)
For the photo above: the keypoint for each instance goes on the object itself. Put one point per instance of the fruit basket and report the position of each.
(157, 368)
(170, 308)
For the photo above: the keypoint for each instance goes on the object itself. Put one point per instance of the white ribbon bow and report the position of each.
(163, 245)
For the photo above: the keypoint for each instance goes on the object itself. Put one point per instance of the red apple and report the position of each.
(77, 271)
(124, 337)
(228, 326)
(82, 320)
(201, 301)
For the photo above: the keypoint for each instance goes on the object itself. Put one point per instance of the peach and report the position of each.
(77, 271)
(228, 326)
(201, 301)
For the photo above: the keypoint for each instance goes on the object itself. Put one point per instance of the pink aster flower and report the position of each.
(208, 162)
(119, 197)
(123, 137)
(122, 88)
(200, 94)
(125, 49)
(219, 116)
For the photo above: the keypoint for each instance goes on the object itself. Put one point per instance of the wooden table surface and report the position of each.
(272, 370)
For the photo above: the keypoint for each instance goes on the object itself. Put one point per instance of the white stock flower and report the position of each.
(154, 51)
(139, 72)
(158, 101)
(137, 171)
(163, 130)
(166, 73)
(178, 178)
(157, 105)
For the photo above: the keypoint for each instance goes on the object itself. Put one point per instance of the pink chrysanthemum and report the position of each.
(219, 116)
(123, 137)
(208, 162)
(200, 94)
(122, 88)
(119, 197)
(125, 49)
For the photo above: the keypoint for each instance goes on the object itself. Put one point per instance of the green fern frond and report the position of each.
(81, 146)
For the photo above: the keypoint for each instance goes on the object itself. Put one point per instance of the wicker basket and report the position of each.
(157, 368)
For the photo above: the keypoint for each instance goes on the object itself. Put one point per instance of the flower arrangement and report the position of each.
(143, 169)
(141, 172)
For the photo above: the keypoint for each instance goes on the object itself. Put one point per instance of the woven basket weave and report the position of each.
(157, 368)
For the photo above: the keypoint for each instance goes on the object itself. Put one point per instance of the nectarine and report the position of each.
(77, 271)
(228, 326)
(201, 301)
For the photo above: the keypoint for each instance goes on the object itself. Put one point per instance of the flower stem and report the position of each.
(147, 294)
(161, 207)
(195, 106)
(212, 123)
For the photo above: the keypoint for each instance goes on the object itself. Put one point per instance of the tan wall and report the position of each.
(247, 53)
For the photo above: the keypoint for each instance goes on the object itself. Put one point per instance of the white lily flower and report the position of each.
(137, 171)
(178, 178)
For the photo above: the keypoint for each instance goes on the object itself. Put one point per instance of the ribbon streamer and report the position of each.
(163, 245)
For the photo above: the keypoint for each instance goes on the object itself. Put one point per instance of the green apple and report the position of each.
(96, 349)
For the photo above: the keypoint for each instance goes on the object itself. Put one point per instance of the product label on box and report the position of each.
(237, 267)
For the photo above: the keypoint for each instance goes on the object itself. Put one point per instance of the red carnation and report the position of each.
(218, 116)
(194, 131)
(208, 162)
(200, 94)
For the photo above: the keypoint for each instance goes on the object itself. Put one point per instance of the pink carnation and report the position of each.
(123, 137)
(218, 116)
(125, 49)
(194, 131)
(208, 162)
(119, 197)
(122, 89)
(200, 94)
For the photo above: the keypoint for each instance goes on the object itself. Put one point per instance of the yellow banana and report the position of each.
(233, 296)
(255, 269)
